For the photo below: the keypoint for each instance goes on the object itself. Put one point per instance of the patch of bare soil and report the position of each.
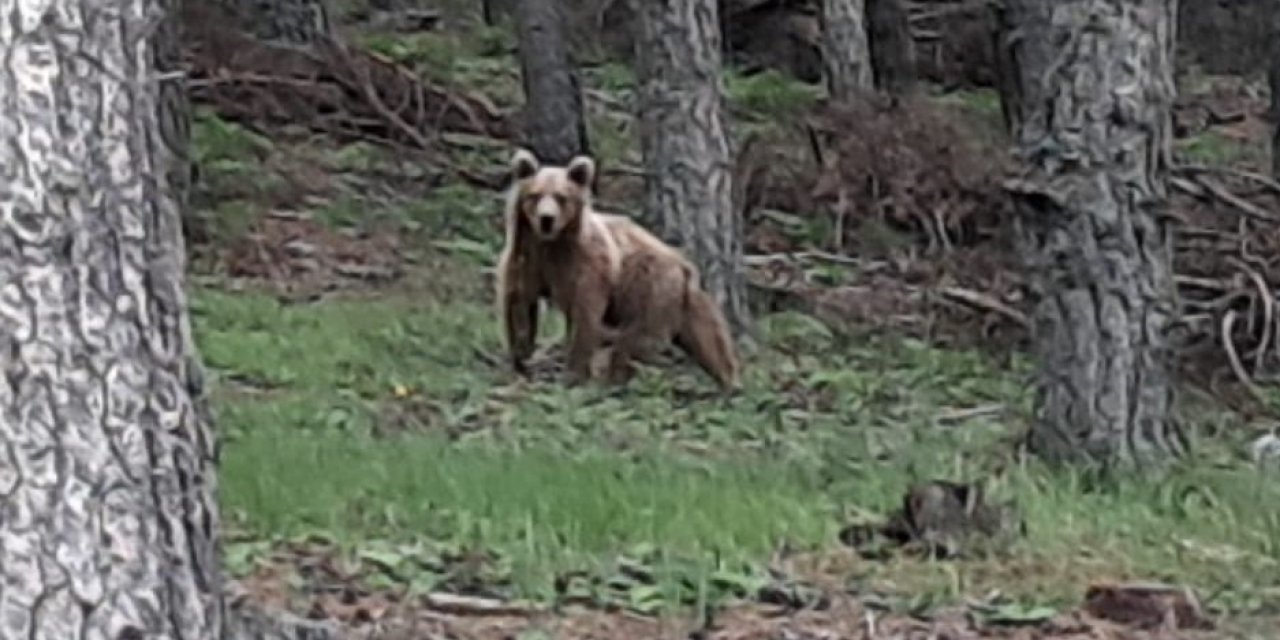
(393, 616)
(373, 598)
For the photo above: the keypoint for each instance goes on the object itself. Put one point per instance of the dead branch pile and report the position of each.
(914, 168)
(906, 163)
(1227, 261)
(330, 87)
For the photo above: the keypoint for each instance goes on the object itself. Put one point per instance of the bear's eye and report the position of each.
(530, 200)
(560, 199)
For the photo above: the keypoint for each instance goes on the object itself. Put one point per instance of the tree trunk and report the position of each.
(845, 50)
(688, 185)
(1093, 131)
(554, 126)
(1273, 78)
(298, 23)
(108, 511)
(893, 51)
(492, 11)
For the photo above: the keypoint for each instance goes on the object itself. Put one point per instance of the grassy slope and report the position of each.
(377, 422)
(372, 421)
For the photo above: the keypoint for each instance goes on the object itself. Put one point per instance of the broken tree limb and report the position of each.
(329, 87)
(987, 303)
(1222, 194)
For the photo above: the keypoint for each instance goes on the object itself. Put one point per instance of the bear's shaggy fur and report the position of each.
(558, 248)
(658, 301)
(615, 282)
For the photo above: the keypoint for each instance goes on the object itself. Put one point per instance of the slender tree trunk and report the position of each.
(1093, 131)
(845, 49)
(893, 51)
(688, 183)
(1273, 77)
(492, 11)
(555, 127)
(108, 511)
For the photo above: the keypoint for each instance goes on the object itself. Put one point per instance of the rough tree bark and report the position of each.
(846, 53)
(893, 51)
(1095, 86)
(554, 125)
(108, 513)
(1273, 78)
(298, 23)
(688, 181)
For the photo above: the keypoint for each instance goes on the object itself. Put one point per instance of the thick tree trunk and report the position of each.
(1273, 77)
(688, 182)
(845, 49)
(299, 23)
(893, 51)
(1095, 79)
(108, 512)
(554, 125)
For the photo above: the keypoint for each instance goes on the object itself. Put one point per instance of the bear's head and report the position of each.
(551, 199)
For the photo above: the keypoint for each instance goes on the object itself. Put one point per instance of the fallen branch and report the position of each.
(1196, 169)
(1268, 311)
(475, 606)
(987, 303)
(952, 416)
(329, 87)
(1214, 188)
(1233, 357)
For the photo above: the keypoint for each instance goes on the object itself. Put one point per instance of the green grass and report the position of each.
(1215, 149)
(375, 422)
(380, 424)
(769, 95)
(480, 59)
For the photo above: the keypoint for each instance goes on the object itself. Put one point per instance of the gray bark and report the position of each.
(298, 23)
(688, 181)
(846, 52)
(1095, 86)
(554, 125)
(893, 51)
(108, 511)
(1273, 78)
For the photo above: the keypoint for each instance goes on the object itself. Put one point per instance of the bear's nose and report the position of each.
(546, 223)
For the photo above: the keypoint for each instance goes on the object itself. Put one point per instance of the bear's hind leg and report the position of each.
(705, 336)
(585, 321)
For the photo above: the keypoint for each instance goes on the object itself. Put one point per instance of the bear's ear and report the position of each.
(582, 171)
(523, 164)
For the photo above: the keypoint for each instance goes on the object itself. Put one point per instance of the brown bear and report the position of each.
(617, 284)
(658, 301)
(558, 248)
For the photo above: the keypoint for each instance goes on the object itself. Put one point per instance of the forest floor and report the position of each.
(382, 467)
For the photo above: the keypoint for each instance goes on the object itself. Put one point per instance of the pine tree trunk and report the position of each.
(299, 23)
(893, 51)
(688, 182)
(108, 511)
(1273, 78)
(845, 49)
(1093, 131)
(555, 127)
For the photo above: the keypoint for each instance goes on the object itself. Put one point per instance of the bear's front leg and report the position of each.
(585, 330)
(518, 296)
(522, 329)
